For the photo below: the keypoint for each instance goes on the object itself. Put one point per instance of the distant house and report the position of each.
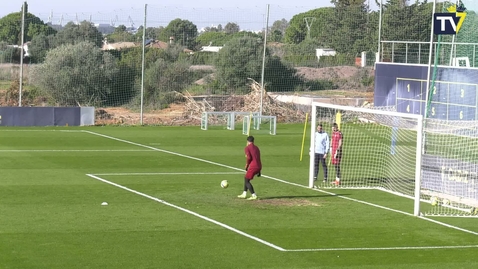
(118, 45)
(324, 52)
(105, 28)
(25, 48)
(210, 48)
(156, 44)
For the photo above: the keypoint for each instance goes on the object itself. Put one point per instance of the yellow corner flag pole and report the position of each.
(303, 136)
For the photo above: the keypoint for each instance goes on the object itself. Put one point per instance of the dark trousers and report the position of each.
(337, 170)
(319, 158)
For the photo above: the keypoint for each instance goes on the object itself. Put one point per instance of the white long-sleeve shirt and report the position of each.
(322, 143)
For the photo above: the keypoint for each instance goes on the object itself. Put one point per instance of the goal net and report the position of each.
(380, 149)
(450, 159)
(450, 167)
(436, 165)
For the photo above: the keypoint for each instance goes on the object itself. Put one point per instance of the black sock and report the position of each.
(249, 186)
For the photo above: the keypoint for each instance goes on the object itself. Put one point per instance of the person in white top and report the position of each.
(322, 146)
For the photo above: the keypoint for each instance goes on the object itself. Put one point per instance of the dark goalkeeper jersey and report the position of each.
(253, 156)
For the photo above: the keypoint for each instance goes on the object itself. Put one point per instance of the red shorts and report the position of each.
(251, 172)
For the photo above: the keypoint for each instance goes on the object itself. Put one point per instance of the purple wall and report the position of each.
(40, 116)
(404, 86)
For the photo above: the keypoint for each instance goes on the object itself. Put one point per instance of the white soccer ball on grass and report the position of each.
(224, 184)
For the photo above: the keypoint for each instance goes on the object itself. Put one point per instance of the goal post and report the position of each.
(256, 121)
(381, 150)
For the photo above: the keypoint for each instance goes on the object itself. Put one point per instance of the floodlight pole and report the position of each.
(264, 59)
(142, 64)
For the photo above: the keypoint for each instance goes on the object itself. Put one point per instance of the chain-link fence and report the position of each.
(135, 64)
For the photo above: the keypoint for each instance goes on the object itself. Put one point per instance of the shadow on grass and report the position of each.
(300, 196)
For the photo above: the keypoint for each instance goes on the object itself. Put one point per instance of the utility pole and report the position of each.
(308, 23)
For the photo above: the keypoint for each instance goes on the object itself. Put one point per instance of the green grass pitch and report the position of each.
(166, 208)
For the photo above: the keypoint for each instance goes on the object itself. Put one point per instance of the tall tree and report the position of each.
(184, 33)
(11, 26)
(298, 31)
(347, 28)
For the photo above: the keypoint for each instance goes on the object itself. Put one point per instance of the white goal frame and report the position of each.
(419, 143)
(231, 118)
(256, 123)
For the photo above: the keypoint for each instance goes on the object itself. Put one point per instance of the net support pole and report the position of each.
(430, 57)
(378, 59)
(142, 64)
(418, 167)
(313, 123)
(264, 59)
(22, 40)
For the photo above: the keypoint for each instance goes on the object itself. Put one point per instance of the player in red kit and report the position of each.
(253, 167)
(337, 138)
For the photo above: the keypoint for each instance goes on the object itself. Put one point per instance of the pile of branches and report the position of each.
(251, 102)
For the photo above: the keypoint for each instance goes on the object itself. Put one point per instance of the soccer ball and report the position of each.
(433, 201)
(224, 184)
(446, 202)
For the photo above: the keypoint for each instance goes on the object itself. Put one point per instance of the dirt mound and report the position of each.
(173, 115)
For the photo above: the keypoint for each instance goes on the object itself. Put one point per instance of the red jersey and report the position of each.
(253, 156)
(336, 137)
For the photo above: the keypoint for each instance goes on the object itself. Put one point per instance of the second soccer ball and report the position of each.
(224, 184)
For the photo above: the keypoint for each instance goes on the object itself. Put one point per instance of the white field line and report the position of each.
(156, 174)
(384, 248)
(26, 130)
(74, 150)
(285, 182)
(189, 212)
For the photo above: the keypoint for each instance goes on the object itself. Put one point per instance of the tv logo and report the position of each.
(449, 23)
(446, 23)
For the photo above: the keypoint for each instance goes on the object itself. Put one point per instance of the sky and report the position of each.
(248, 14)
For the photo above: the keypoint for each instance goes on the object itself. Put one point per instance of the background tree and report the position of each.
(277, 30)
(74, 34)
(183, 31)
(81, 74)
(349, 26)
(120, 34)
(163, 79)
(297, 30)
(231, 28)
(241, 59)
(238, 60)
(39, 46)
(11, 25)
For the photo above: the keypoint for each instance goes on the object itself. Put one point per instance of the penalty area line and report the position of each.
(189, 212)
(280, 180)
